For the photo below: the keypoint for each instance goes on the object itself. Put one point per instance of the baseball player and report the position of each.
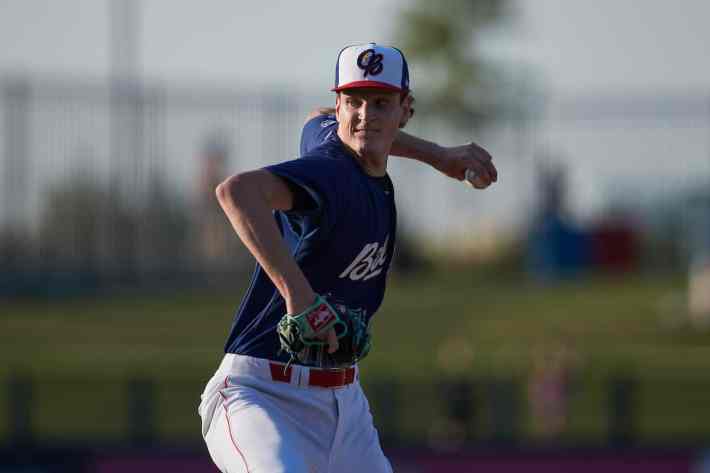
(322, 228)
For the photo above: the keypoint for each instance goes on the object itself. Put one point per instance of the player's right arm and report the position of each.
(248, 200)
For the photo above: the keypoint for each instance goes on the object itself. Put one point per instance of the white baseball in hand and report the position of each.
(473, 179)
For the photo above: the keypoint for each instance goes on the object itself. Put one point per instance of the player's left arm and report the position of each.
(452, 161)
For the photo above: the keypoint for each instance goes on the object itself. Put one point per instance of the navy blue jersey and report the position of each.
(316, 131)
(342, 238)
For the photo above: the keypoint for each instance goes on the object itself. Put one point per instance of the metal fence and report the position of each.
(615, 410)
(111, 182)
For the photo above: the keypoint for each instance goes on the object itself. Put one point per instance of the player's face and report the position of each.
(368, 120)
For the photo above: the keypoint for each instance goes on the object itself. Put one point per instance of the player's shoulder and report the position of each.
(316, 131)
(329, 154)
(330, 164)
(322, 120)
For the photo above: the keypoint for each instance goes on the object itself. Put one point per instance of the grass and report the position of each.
(442, 325)
(489, 327)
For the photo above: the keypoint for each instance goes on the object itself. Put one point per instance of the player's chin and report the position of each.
(372, 151)
(372, 146)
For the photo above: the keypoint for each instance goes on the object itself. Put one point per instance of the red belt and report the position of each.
(316, 377)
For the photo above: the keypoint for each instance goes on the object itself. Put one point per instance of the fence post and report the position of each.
(460, 402)
(622, 409)
(20, 396)
(14, 165)
(141, 411)
(16, 97)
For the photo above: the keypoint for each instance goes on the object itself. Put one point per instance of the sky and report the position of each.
(572, 45)
(578, 45)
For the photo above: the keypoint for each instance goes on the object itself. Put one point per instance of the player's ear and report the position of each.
(407, 109)
(337, 106)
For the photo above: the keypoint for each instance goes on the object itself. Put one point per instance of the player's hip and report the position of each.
(247, 376)
(236, 367)
(251, 403)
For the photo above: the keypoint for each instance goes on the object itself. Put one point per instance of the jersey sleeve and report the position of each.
(316, 131)
(318, 177)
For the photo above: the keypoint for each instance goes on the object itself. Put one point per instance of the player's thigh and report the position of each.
(359, 448)
(368, 458)
(247, 437)
(363, 454)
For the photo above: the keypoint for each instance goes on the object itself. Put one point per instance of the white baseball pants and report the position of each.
(253, 424)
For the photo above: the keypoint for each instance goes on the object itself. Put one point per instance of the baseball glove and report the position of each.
(299, 334)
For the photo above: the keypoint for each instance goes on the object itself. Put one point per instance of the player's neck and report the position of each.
(373, 165)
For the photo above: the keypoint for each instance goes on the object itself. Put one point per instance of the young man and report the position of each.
(333, 235)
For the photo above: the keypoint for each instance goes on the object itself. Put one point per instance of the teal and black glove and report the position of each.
(303, 335)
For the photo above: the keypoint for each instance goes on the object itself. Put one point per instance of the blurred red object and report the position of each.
(615, 245)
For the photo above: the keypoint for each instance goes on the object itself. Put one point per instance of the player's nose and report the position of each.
(366, 111)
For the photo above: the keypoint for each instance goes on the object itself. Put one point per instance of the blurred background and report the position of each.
(557, 321)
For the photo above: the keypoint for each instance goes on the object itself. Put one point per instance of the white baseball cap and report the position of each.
(371, 65)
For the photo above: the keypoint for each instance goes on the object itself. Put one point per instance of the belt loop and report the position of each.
(295, 375)
(293, 379)
(303, 375)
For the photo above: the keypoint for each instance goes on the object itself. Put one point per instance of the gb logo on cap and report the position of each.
(370, 62)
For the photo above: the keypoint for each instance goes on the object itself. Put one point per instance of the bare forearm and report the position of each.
(320, 111)
(452, 161)
(410, 146)
(252, 219)
(405, 145)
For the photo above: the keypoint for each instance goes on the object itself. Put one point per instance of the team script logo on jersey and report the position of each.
(320, 317)
(368, 263)
(370, 62)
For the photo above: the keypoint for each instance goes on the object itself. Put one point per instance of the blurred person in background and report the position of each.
(549, 389)
(213, 233)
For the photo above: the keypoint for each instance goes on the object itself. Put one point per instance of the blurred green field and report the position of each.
(442, 325)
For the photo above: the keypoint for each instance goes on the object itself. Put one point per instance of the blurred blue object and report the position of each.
(557, 249)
